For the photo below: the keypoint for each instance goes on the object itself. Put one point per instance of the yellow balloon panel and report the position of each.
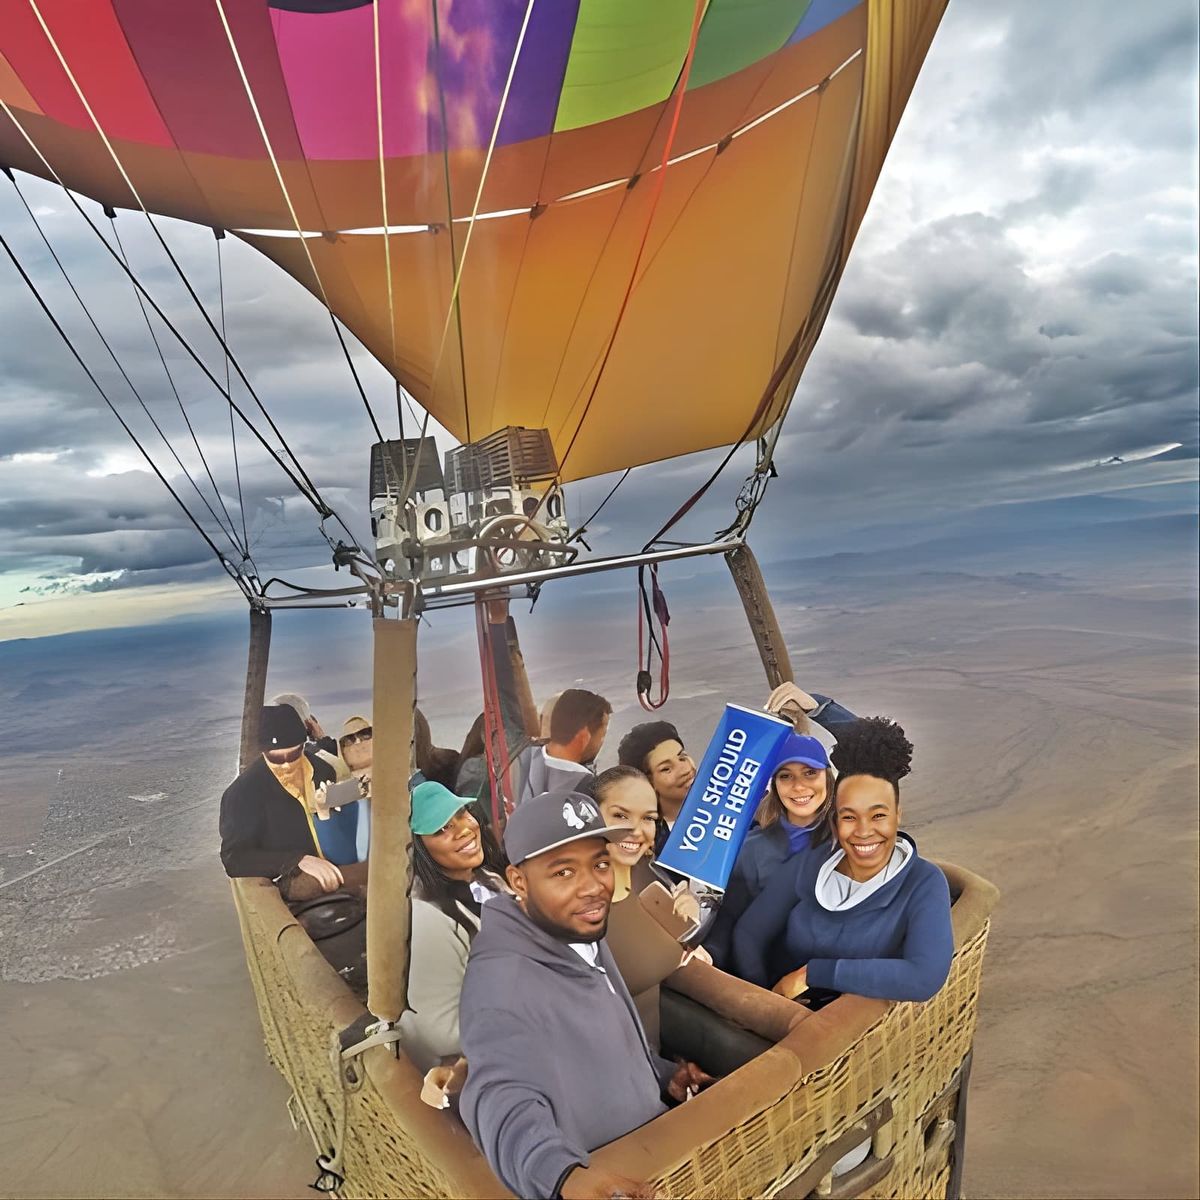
(638, 314)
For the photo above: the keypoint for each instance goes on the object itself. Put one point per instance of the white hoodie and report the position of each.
(837, 892)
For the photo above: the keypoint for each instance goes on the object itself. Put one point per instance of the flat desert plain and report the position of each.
(1055, 726)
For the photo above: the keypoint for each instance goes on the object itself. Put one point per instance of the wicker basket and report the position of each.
(858, 1069)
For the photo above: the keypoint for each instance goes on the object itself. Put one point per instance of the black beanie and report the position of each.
(280, 728)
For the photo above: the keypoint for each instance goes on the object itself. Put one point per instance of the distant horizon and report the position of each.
(1087, 512)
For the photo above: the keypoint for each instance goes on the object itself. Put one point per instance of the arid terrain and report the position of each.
(1054, 716)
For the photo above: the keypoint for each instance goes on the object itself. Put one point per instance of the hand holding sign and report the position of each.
(685, 905)
(723, 799)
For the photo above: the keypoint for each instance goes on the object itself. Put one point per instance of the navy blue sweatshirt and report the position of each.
(896, 945)
(765, 850)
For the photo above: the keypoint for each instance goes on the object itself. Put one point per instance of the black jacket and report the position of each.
(264, 831)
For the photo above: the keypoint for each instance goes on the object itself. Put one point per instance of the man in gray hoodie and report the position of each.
(558, 1062)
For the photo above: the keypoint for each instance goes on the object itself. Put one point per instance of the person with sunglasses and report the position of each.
(267, 815)
(355, 745)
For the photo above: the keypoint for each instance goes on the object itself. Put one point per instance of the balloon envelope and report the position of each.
(636, 313)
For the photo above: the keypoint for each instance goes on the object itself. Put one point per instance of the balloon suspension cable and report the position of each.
(308, 488)
(298, 481)
(244, 545)
(287, 198)
(659, 184)
(230, 569)
(219, 237)
(227, 531)
(454, 307)
(577, 536)
(753, 490)
(659, 172)
(495, 743)
(383, 205)
(652, 607)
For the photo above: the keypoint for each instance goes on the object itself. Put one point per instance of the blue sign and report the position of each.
(720, 805)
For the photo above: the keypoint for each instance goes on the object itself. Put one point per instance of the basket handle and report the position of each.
(939, 1139)
(819, 1181)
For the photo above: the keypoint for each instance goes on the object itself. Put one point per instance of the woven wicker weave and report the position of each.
(767, 1130)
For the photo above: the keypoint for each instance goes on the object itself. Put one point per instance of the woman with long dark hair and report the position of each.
(457, 868)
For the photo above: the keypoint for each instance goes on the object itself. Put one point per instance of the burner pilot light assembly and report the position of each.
(493, 510)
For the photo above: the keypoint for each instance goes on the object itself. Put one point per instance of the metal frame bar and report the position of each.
(466, 589)
(590, 567)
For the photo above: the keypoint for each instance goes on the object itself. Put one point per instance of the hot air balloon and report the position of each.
(585, 236)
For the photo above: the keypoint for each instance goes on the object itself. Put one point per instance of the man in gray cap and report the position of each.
(558, 1062)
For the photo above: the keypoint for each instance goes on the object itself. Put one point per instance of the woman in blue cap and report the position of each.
(866, 915)
(792, 816)
(457, 868)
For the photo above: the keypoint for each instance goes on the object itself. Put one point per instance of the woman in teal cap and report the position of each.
(457, 868)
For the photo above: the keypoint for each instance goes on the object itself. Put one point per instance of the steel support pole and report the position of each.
(747, 577)
(389, 875)
(256, 683)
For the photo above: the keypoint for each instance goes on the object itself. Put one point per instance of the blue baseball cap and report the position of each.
(433, 805)
(801, 748)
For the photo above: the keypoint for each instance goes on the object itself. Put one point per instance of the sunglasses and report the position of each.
(363, 735)
(284, 756)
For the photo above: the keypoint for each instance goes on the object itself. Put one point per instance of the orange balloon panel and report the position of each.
(636, 313)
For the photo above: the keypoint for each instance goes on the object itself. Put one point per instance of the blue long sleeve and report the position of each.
(762, 925)
(925, 962)
(734, 903)
(830, 715)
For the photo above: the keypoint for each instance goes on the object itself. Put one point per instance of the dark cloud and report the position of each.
(1114, 275)
(1020, 306)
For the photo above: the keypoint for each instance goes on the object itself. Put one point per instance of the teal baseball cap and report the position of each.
(433, 805)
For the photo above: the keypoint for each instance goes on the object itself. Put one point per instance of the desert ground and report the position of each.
(1055, 723)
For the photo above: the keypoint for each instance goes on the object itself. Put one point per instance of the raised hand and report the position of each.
(791, 701)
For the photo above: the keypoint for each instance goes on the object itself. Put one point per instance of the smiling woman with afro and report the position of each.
(867, 915)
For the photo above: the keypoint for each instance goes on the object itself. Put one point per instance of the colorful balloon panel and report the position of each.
(377, 119)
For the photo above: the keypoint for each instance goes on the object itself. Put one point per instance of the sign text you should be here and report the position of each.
(729, 789)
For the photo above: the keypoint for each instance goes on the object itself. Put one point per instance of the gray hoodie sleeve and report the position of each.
(429, 1031)
(509, 1117)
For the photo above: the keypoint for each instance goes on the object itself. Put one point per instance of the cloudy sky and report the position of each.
(1020, 307)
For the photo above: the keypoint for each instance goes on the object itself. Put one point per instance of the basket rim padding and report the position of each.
(805, 1043)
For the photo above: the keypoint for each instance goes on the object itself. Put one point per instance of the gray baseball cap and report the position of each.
(553, 819)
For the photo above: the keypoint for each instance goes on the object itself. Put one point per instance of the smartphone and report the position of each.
(346, 792)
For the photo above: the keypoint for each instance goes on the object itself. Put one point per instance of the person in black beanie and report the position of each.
(266, 815)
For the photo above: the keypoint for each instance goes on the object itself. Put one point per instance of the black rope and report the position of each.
(237, 470)
(311, 496)
(187, 283)
(117, 363)
(455, 266)
(354, 371)
(62, 333)
(243, 547)
(577, 536)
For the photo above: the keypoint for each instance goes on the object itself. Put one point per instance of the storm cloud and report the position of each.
(1019, 308)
